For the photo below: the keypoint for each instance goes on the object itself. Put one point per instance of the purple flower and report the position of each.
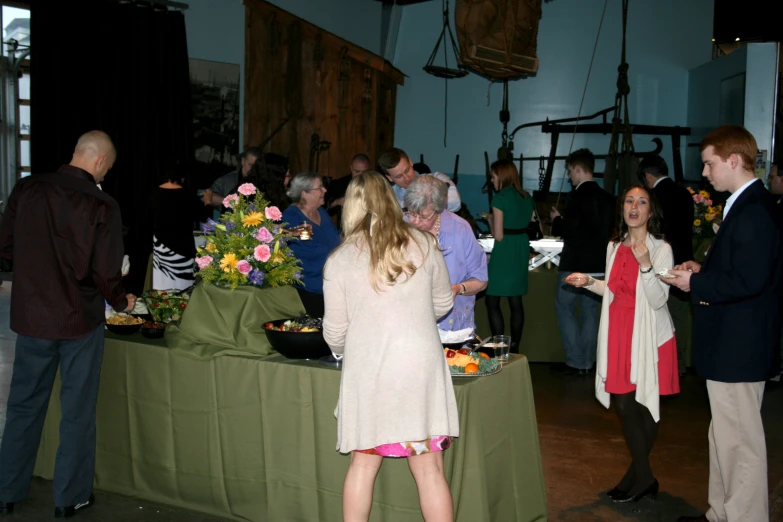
(298, 275)
(256, 277)
(252, 207)
(209, 226)
(230, 226)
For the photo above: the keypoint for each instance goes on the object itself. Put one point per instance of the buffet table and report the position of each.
(254, 439)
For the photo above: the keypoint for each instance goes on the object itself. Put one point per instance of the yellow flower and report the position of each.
(278, 258)
(252, 220)
(229, 262)
(691, 190)
(704, 194)
(210, 247)
(696, 223)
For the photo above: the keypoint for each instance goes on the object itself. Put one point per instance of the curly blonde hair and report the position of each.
(372, 218)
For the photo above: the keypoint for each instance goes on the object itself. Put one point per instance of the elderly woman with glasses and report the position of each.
(426, 199)
(307, 192)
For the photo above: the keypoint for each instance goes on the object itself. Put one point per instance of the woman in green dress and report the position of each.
(512, 210)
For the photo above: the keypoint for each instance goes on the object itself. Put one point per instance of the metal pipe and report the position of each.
(562, 120)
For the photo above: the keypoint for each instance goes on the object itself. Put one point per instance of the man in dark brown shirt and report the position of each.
(63, 237)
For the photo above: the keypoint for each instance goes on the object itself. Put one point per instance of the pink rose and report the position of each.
(244, 267)
(698, 198)
(262, 253)
(203, 262)
(264, 235)
(230, 200)
(708, 202)
(273, 213)
(247, 189)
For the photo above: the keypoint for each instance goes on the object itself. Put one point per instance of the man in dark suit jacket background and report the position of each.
(736, 299)
(586, 227)
(676, 206)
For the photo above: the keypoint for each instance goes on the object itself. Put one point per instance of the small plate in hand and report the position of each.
(664, 274)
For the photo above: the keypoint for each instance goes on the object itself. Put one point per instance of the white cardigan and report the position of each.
(652, 326)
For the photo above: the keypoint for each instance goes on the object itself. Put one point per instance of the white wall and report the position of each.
(760, 92)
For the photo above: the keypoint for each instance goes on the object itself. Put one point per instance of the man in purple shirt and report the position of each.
(63, 237)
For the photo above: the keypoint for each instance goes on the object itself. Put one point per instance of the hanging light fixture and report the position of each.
(445, 71)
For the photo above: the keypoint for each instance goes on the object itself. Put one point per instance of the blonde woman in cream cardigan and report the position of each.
(636, 361)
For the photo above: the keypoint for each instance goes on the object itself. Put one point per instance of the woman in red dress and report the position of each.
(636, 361)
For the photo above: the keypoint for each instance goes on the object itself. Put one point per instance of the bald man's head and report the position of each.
(94, 153)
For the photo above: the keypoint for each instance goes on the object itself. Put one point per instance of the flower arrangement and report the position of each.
(247, 246)
(706, 217)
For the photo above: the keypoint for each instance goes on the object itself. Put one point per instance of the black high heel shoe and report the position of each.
(651, 491)
(616, 492)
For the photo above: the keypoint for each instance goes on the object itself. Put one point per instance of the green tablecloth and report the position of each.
(254, 439)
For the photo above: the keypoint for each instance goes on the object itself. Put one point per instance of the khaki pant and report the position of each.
(738, 453)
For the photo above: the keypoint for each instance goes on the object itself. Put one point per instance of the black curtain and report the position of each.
(123, 69)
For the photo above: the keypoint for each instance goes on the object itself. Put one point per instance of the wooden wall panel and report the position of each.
(326, 85)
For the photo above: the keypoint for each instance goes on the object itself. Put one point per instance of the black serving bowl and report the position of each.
(470, 343)
(153, 333)
(124, 329)
(297, 345)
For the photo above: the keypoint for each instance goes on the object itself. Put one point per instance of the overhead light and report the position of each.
(713, 39)
(736, 39)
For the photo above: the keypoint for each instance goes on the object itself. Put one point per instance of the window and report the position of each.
(15, 23)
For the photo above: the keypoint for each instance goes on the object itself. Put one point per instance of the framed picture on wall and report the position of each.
(214, 91)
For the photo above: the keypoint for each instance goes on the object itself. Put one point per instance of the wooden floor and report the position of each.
(584, 453)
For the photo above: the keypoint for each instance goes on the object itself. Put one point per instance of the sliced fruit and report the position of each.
(464, 351)
(471, 368)
(450, 354)
(482, 354)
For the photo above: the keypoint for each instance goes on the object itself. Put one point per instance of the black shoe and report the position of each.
(616, 492)
(6, 508)
(651, 491)
(69, 511)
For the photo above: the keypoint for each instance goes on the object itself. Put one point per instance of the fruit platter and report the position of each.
(467, 363)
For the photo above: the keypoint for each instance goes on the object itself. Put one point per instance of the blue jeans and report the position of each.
(579, 343)
(35, 366)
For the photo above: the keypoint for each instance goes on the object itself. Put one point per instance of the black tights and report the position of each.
(496, 318)
(640, 430)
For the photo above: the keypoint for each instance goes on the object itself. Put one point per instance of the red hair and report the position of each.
(733, 139)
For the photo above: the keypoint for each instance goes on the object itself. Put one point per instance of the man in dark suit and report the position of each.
(736, 299)
(586, 227)
(676, 206)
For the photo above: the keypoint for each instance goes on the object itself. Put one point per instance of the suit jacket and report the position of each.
(586, 226)
(737, 294)
(677, 209)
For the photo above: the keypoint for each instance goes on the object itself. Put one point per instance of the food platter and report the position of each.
(468, 363)
(479, 374)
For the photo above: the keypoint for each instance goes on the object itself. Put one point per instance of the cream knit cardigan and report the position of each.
(652, 326)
